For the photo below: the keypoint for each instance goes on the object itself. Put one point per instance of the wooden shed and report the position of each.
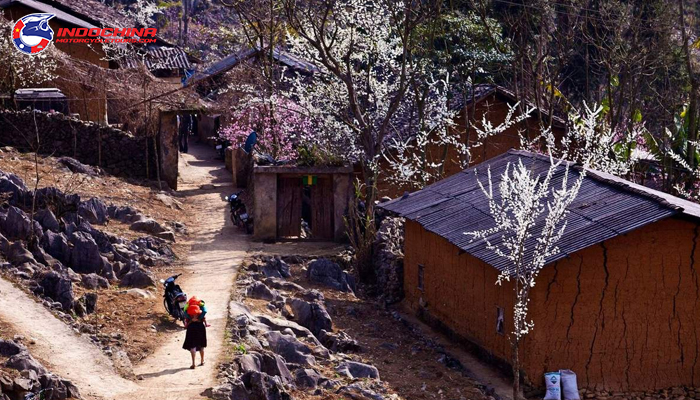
(618, 305)
(300, 202)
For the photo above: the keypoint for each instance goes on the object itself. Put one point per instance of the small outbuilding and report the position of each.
(618, 305)
(293, 202)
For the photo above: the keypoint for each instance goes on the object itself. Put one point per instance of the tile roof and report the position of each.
(159, 57)
(231, 61)
(605, 207)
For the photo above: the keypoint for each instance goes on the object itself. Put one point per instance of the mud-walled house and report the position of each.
(618, 305)
(471, 107)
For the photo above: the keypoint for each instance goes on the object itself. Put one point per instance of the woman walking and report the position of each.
(196, 336)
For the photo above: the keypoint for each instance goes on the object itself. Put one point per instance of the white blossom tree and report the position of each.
(526, 207)
(362, 49)
(591, 141)
(430, 127)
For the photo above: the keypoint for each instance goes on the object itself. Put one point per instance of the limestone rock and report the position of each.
(24, 361)
(258, 290)
(338, 342)
(312, 315)
(275, 267)
(10, 348)
(15, 224)
(330, 274)
(18, 255)
(94, 211)
(58, 287)
(281, 284)
(85, 255)
(290, 348)
(353, 369)
(138, 277)
(307, 378)
(94, 281)
(46, 218)
(56, 244)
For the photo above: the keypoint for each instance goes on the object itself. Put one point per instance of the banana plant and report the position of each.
(671, 151)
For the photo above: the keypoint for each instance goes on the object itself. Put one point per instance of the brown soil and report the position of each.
(216, 250)
(407, 361)
(122, 321)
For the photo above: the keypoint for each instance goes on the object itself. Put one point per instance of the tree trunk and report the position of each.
(694, 87)
(185, 20)
(516, 370)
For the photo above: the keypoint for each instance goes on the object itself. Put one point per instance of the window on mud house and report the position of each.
(500, 319)
(420, 276)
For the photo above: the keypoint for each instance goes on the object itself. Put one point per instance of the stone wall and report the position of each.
(116, 151)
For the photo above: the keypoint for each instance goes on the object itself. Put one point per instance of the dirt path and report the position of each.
(59, 347)
(216, 251)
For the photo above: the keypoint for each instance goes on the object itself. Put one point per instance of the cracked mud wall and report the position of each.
(459, 290)
(624, 314)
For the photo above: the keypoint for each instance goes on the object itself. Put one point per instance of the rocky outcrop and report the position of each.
(94, 281)
(388, 259)
(301, 342)
(151, 226)
(33, 377)
(57, 287)
(328, 273)
(354, 370)
(47, 220)
(338, 342)
(68, 249)
(258, 290)
(275, 267)
(94, 211)
(138, 277)
(310, 314)
(15, 224)
(77, 167)
(85, 255)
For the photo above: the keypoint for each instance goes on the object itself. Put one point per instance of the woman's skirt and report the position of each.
(196, 336)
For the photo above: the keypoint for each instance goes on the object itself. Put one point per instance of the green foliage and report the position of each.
(168, 4)
(310, 155)
(240, 349)
(462, 43)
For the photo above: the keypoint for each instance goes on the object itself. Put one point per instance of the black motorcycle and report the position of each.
(221, 146)
(239, 215)
(174, 299)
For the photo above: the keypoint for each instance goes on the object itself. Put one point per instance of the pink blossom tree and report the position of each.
(277, 122)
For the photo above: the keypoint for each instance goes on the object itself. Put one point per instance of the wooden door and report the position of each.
(322, 208)
(288, 206)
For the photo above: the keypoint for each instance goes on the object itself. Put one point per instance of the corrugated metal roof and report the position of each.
(39, 93)
(606, 206)
(160, 58)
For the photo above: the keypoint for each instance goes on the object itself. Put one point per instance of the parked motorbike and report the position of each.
(221, 146)
(174, 299)
(239, 215)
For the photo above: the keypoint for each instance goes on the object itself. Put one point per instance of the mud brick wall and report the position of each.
(116, 151)
(622, 314)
